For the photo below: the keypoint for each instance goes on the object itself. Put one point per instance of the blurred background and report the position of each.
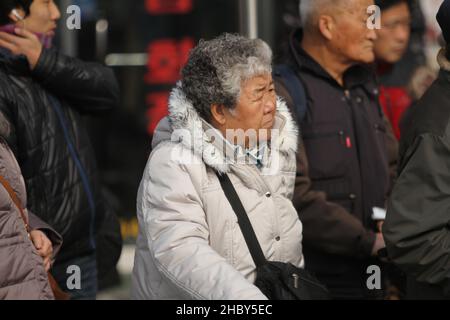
(146, 42)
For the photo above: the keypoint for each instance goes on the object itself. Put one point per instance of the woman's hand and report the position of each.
(43, 246)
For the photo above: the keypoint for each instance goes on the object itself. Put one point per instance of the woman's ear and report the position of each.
(17, 15)
(218, 114)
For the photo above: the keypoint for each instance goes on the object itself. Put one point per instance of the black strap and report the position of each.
(243, 220)
(295, 89)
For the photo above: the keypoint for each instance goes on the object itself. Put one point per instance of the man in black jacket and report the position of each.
(343, 163)
(417, 228)
(44, 95)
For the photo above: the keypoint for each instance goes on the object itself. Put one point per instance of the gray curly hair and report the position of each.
(216, 69)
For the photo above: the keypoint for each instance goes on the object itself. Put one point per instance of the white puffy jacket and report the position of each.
(190, 245)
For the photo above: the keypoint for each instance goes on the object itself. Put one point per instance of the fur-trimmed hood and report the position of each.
(184, 125)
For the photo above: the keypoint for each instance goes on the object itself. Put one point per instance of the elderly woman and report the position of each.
(190, 245)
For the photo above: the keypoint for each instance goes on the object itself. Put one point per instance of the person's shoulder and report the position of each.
(430, 114)
(170, 158)
(428, 117)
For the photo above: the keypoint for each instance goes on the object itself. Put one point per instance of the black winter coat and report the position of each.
(417, 227)
(45, 108)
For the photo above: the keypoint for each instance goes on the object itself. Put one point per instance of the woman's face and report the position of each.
(43, 17)
(256, 107)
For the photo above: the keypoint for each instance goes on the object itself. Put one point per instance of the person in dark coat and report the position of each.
(400, 60)
(44, 95)
(417, 227)
(347, 151)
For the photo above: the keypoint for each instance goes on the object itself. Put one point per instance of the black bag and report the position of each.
(276, 280)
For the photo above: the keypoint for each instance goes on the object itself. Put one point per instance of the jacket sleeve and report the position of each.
(37, 224)
(178, 234)
(327, 226)
(392, 152)
(9, 112)
(417, 227)
(90, 87)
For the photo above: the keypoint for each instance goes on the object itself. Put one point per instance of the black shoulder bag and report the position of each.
(276, 280)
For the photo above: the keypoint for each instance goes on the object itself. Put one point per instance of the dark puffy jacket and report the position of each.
(59, 174)
(342, 171)
(417, 227)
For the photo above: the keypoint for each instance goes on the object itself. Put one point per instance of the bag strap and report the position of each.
(243, 220)
(295, 89)
(16, 200)
(57, 107)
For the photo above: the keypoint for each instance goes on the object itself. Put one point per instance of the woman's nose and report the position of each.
(270, 105)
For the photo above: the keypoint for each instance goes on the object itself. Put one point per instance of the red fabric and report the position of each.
(395, 101)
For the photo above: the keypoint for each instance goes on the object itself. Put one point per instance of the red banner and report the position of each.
(165, 59)
(159, 7)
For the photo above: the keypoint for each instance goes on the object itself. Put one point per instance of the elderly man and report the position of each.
(190, 245)
(417, 227)
(343, 172)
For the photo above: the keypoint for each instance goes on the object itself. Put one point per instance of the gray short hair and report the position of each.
(311, 9)
(216, 69)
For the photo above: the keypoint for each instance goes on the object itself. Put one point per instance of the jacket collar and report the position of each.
(357, 75)
(184, 125)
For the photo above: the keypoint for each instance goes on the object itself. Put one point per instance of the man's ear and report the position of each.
(326, 26)
(218, 114)
(17, 14)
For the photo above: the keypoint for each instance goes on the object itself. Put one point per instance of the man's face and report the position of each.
(393, 37)
(255, 108)
(351, 39)
(43, 17)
